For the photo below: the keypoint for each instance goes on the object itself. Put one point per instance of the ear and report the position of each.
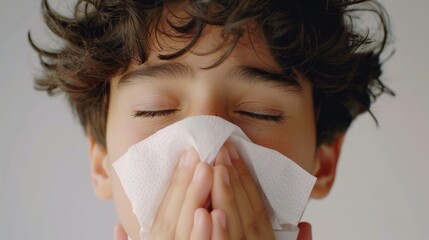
(326, 160)
(100, 169)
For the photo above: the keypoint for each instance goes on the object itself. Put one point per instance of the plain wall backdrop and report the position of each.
(381, 189)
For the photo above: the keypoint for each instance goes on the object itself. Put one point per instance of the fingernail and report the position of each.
(187, 158)
(199, 172)
(198, 217)
(225, 177)
(233, 151)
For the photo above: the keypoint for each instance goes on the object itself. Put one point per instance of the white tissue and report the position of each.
(145, 170)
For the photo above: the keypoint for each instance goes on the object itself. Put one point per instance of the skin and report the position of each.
(216, 91)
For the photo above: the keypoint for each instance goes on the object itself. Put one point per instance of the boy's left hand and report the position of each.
(236, 194)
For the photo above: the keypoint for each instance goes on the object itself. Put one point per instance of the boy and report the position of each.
(291, 74)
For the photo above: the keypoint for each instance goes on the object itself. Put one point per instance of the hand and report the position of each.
(236, 194)
(182, 213)
(119, 233)
(304, 233)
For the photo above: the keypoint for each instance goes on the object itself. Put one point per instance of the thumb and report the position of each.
(304, 231)
(119, 233)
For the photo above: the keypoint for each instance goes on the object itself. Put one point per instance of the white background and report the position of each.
(381, 190)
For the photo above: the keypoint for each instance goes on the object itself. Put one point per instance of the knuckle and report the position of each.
(242, 169)
(263, 214)
(252, 227)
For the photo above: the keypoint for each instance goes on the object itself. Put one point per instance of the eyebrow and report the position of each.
(257, 75)
(242, 73)
(169, 69)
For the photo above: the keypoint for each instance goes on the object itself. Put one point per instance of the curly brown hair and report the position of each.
(316, 38)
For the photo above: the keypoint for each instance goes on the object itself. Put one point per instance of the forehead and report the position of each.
(249, 60)
(207, 50)
(212, 43)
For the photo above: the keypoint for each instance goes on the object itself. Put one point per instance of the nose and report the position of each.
(209, 102)
(212, 107)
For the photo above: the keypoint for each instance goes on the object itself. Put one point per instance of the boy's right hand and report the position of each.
(182, 214)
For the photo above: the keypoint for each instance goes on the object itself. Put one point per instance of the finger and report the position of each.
(223, 199)
(197, 195)
(165, 222)
(202, 225)
(304, 231)
(249, 223)
(119, 233)
(219, 225)
(253, 193)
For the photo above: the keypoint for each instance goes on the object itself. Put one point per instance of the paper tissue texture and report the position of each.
(145, 170)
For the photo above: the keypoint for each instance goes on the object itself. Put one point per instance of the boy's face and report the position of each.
(233, 90)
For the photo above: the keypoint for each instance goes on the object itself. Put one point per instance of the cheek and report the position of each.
(296, 139)
(120, 135)
(303, 143)
(298, 144)
(123, 207)
(122, 130)
(302, 133)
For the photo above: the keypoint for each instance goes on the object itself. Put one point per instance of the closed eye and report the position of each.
(274, 118)
(152, 114)
(167, 112)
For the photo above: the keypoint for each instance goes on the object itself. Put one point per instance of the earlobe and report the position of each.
(326, 161)
(100, 170)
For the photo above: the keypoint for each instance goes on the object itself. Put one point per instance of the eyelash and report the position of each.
(152, 114)
(273, 118)
(163, 113)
